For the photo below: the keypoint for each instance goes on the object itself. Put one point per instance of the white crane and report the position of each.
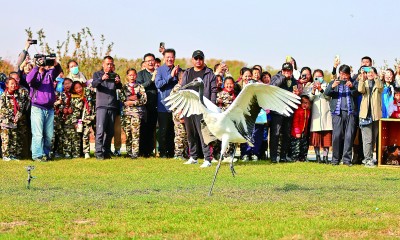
(236, 124)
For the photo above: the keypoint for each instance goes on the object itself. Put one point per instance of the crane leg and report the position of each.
(232, 158)
(215, 175)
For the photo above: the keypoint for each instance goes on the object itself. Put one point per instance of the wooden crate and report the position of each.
(389, 134)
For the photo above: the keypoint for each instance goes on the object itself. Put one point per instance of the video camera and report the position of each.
(45, 60)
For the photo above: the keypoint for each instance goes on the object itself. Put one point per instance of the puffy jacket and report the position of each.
(42, 92)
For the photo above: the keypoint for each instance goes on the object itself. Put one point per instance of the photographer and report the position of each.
(282, 124)
(343, 110)
(106, 83)
(24, 63)
(42, 94)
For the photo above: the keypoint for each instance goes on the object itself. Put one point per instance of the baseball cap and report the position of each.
(287, 66)
(198, 53)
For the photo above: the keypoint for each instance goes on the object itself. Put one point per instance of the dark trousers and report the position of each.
(104, 130)
(166, 134)
(343, 137)
(193, 130)
(279, 125)
(147, 133)
(257, 135)
(299, 148)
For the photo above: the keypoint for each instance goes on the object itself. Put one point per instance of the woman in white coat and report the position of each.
(321, 119)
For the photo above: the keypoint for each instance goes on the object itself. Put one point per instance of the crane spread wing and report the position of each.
(254, 96)
(188, 102)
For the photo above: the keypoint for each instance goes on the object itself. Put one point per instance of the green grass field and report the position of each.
(164, 199)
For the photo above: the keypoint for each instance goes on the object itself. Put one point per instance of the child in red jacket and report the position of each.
(300, 133)
(395, 109)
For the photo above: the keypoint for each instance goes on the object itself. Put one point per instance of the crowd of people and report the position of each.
(47, 113)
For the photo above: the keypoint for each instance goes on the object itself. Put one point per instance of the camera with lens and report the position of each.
(111, 75)
(45, 60)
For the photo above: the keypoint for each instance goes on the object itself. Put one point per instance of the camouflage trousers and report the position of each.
(299, 148)
(86, 136)
(71, 142)
(57, 141)
(11, 144)
(181, 141)
(131, 125)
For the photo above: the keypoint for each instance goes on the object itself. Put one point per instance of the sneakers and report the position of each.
(179, 157)
(191, 161)
(7, 159)
(42, 159)
(254, 158)
(245, 158)
(87, 155)
(117, 153)
(214, 160)
(206, 164)
(228, 160)
(370, 164)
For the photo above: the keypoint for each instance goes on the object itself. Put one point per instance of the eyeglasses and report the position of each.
(198, 58)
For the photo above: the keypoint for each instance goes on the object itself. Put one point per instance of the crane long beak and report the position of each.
(195, 83)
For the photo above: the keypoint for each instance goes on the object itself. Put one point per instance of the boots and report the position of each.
(318, 159)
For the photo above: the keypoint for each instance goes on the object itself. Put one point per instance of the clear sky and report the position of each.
(256, 32)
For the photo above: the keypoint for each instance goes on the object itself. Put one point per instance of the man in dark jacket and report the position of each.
(106, 83)
(146, 78)
(42, 94)
(282, 124)
(192, 123)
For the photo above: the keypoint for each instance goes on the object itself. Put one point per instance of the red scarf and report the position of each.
(15, 103)
(132, 87)
(86, 104)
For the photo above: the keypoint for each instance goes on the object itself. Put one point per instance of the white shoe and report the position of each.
(226, 160)
(245, 158)
(214, 160)
(191, 161)
(205, 164)
(7, 159)
(87, 155)
(254, 158)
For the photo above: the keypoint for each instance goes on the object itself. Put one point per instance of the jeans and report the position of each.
(42, 125)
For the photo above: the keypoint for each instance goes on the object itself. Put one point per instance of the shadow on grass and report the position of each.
(391, 179)
(293, 187)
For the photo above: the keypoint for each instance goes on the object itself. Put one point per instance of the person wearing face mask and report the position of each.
(282, 124)
(74, 72)
(321, 119)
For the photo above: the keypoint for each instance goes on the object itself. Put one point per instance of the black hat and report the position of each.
(198, 53)
(287, 66)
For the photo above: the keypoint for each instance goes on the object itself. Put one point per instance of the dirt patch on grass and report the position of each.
(5, 226)
(84, 221)
(337, 234)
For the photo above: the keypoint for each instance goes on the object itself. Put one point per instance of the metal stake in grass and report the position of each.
(30, 177)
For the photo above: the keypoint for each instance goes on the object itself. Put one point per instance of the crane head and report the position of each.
(195, 83)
